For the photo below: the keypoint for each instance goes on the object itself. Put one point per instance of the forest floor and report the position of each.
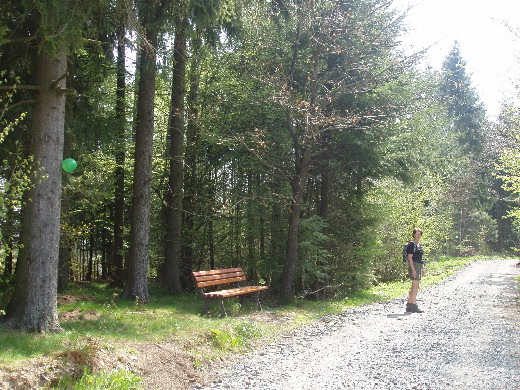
(468, 337)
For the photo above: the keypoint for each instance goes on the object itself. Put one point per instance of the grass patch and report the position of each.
(15, 346)
(93, 313)
(121, 380)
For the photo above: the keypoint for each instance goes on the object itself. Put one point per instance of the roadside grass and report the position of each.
(93, 315)
(121, 380)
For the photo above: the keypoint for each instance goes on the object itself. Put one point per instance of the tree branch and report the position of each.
(14, 87)
(55, 85)
(16, 40)
(20, 103)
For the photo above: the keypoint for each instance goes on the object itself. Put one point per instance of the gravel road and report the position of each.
(467, 338)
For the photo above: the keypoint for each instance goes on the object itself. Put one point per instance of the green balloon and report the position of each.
(69, 165)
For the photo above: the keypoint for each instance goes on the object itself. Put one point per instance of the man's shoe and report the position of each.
(415, 308)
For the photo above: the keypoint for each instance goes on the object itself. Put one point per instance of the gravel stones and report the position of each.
(467, 338)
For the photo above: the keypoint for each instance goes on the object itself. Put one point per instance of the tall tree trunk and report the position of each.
(302, 165)
(261, 227)
(325, 183)
(90, 263)
(137, 273)
(212, 208)
(277, 245)
(34, 303)
(116, 274)
(64, 253)
(302, 161)
(190, 170)
(289, 272)
(173, 250)
(291, 260)
(250, 227)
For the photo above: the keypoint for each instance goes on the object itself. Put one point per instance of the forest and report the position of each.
(293, 138)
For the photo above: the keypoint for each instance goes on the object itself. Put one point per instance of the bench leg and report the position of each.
(258, 305)
(222, 309)
(205, 309)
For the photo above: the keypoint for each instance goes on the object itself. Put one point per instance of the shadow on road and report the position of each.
(397, 315)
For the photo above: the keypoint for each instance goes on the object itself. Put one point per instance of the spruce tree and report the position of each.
(470, 181)
(465, 109)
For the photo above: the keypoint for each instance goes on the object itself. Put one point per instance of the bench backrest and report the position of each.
(218, 276)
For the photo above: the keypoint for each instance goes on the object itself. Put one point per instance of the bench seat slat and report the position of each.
(218, 277)
(210, 283)
(217, 271)
(232, 292)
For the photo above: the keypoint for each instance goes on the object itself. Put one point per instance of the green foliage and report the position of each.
(239, 337)
(420, 153)
(314, 266)
(7, 124)
(6, 289)
(482, 233)
(121, 380)
(64, 22)
(508, 164)
(462, 102)
(16, 177)
(471, 179)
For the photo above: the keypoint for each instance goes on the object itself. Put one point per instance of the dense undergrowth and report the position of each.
(92, 315)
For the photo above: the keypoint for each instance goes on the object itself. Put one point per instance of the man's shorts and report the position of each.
(418, 268)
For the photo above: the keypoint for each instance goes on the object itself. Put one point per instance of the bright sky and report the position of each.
(491, 51)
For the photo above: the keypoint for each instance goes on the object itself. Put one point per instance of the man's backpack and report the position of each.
(405, 255)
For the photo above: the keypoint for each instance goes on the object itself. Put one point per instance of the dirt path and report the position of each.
(468, 338)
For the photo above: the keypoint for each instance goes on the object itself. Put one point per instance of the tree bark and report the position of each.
(325, 183)
(173, 250)
(64, 253)
(137, 272)
(289, 272)
(34, 304)
(117, 271)
(302, 164)
(190, 170)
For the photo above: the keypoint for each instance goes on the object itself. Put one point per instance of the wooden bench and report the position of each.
(220, 277)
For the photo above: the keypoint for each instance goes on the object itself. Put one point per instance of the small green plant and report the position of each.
(241, 336)
(224, 340)
(248, 330)
(121, 380)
